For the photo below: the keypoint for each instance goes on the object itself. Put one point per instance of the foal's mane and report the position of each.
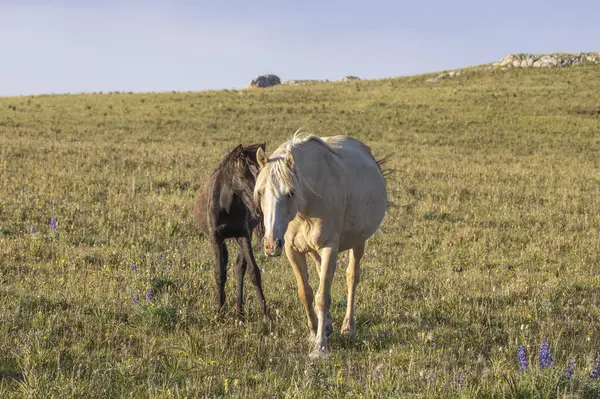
(228, 163)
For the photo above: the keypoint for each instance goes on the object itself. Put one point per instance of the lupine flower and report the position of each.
(570, 369)
(133, 266)
(31, 229)
(53, 223)
(149, 295)
(160, 256)
(136, 298)
(522, 359)
(596, 373)
(546, 355)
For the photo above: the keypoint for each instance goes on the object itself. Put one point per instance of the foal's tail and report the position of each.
(386, 172)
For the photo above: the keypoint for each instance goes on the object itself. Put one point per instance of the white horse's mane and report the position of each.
(281, 174)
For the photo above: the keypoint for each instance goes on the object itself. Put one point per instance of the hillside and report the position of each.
(495, 243)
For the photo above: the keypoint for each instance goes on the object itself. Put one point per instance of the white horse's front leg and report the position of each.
(305, 293)
(323, 301)
(317, 259)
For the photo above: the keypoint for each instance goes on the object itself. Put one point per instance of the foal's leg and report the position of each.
(221, 257)
(352, 279)
(328, 260)
(246, 247)
(298, 262)
(241, 265)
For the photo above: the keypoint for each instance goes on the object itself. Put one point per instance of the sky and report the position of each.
(75, 46)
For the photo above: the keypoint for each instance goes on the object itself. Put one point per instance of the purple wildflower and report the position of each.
(31, 229)
(133, 266)
(522, 359)
(53, 223)
(546, 355)
(136, 298)
(160, 256)
(596, 373)
(570, 369)
(149, 295)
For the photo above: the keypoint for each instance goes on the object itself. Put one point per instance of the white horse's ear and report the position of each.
(289, 159)
(261, 157)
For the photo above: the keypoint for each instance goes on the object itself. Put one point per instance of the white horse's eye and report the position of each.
(290, 194)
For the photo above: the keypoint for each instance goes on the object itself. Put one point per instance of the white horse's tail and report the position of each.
(386, 172)
(381, 162)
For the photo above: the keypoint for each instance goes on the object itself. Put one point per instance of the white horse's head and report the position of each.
(279, 194)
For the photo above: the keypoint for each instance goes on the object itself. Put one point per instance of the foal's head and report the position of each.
(240, 169)
(278, 193)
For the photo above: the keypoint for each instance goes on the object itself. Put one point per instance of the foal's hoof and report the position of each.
(267, 315)
(328, 329)
(267, 318)
(220, 314)
(319, 354)
(240, 315)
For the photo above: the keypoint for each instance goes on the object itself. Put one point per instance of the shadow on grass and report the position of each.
(9, 370)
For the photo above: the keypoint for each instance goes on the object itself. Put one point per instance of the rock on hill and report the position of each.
(554, 60)
(264, 81)
(523, 60)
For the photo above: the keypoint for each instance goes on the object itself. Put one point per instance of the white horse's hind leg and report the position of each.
(328, 261)
(298, 262)
(352, 279)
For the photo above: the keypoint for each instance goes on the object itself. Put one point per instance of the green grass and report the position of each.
(499, 246)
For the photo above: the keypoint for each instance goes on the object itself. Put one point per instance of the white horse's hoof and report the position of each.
(348, 331)
(319, 354)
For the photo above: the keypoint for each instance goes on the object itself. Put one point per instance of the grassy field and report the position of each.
(496, 243)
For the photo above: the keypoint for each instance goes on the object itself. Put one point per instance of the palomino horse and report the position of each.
(224, 208)
(321, 196)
